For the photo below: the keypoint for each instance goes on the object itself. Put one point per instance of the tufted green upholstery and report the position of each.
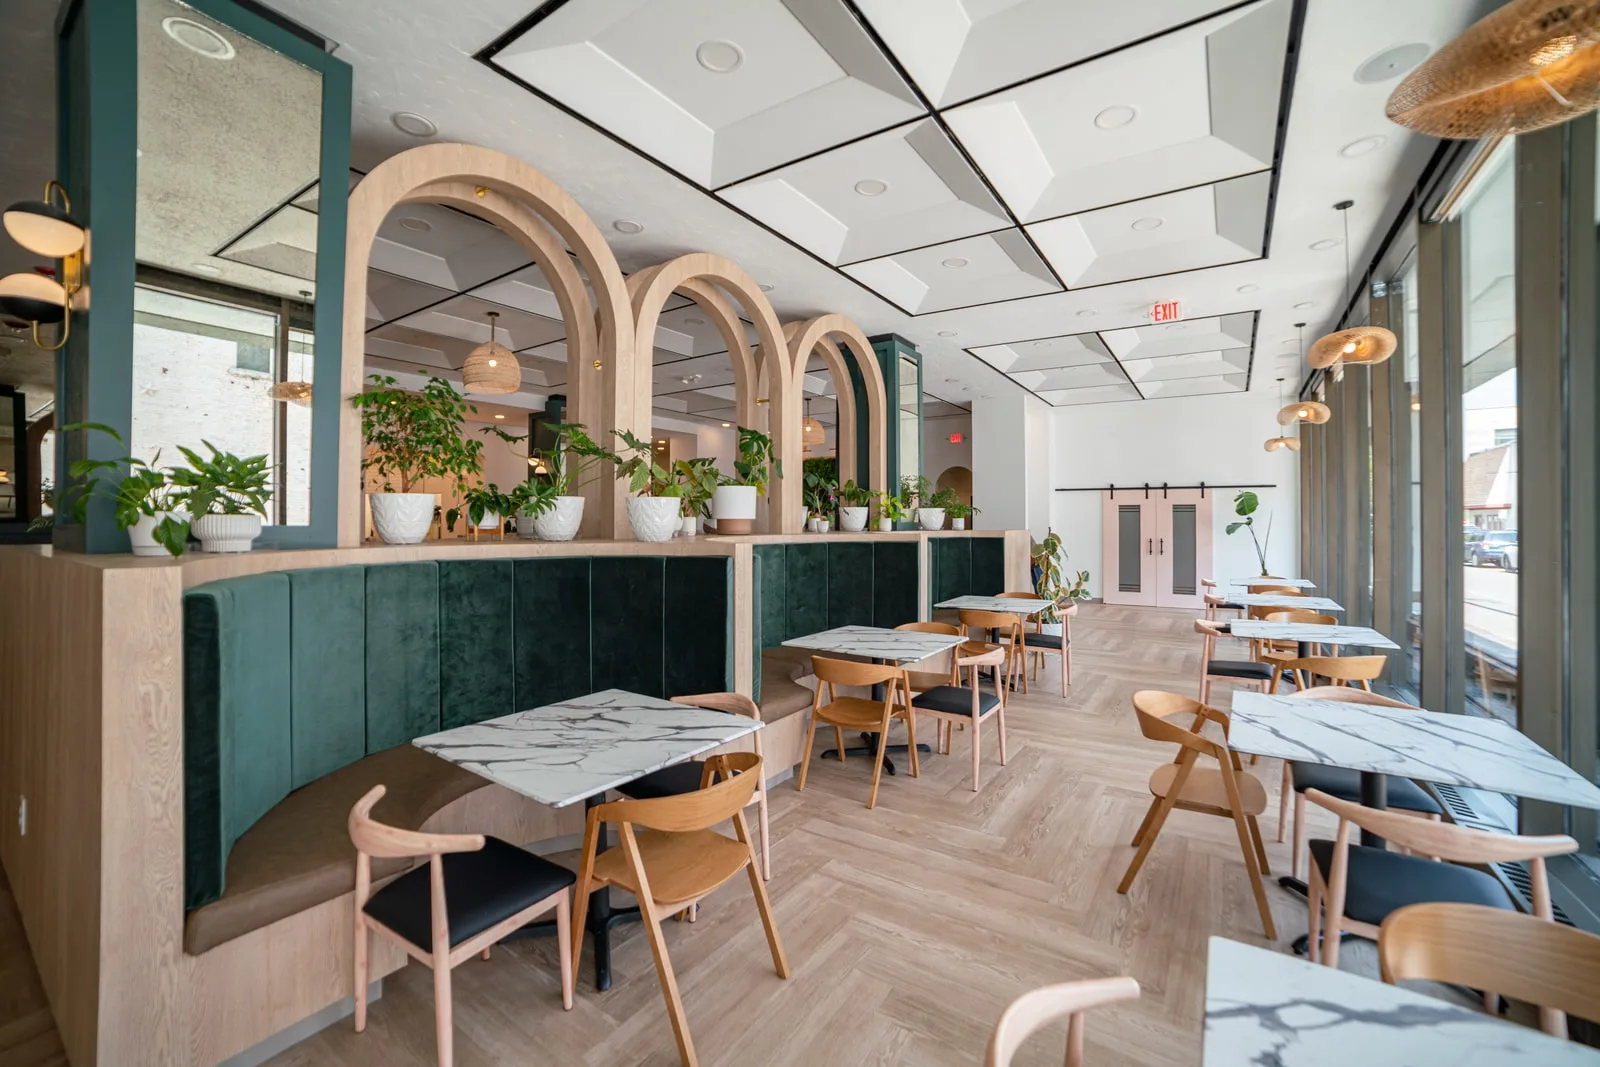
(965, 566)
(291, 676)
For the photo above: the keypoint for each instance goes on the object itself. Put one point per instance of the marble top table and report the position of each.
(1281, 600)
(1011, 605)
(1308, 633)
(1297, 583)
(577, 749)
(873, 642)
(1265, 1007)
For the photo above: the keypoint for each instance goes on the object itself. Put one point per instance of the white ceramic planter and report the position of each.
(931, 518)
(491, 521)
(142, 535)
(824, 525)
(686, 526)
(1050, 628)
(853, 520)
(226, 533)
(958, 524)
(653, 518)
(401, 518)
(884, 526)
(560, 523)
(734, 508)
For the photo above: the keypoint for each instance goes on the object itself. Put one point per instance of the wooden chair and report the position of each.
(1247, 673)
(1342, 782)
(1226, 790)
(1009, 629)
(675, 861)
(1041, 1007)
(1530, 959)
(1273, 585)
(860, 713)
(951, 704)
(1493, 678)
(1358, 887)
(922, 681)
(1357, 672)
(1276, 653)
(496, 888)
(1036, 644)
(686, 777)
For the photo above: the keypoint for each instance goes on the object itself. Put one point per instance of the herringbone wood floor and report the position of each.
(908, 927)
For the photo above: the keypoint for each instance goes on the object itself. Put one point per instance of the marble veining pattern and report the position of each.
(1013, 605)
(1298, 583)
(1280, 600)
(1453, 749)
(566, 752)
(1270, 1009)
(1261, 629)
(872, 642)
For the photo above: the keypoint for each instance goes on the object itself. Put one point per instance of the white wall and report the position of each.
(1013, 463)
(938, 454)
(1182, 441)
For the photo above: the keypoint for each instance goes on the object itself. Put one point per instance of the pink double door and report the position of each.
(1155, 548)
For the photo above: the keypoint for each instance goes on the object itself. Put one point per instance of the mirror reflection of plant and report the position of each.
(415, 435)
(1244, 505)
(756, 464)
(144, 491)
(891, 507)
(945, 500)
(222, 483)
(959, 509)
(635, 461)
(913, 489)
(852, 495)
(820, 492)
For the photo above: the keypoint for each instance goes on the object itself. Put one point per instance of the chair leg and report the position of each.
(564, 936)
(977, 735)
(1144, 824)
(1261, 847)
(838, 742)
(911, 742)
(877, 766)
(1150, 832)
(1066, 666)
(1285, 791)
(362, 938)
(1297, 860)
(805, 761)
(669, 984)
(780, 962)
(766, 837)
(1000, 722)
(443, 1021)
(1314, 916)
(1247, 847)
(486, 950)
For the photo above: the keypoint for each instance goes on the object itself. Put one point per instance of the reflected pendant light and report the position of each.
(1272, 444)
(491, 368)
(1357, 344)
(1531, 64)
(287, 391)
(811, 432)
(1312, 411)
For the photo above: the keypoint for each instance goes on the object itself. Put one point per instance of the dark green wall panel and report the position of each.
(774, 600)
(327, 696)
(988, 566)
(895, 583)
(551, 630)
(627, 626)
(950, 561)
(475, 641)
(402, 653)
(806, 586)
(850, 583)
(699, 634)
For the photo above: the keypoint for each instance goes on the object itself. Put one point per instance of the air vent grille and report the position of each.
(1514, 876)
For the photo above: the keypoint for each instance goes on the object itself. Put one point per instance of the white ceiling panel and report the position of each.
(1045, 353)
(390, 297)
(1103, 394)
(977, 270)
(467, 319)
(1189, 365)
(1215, 333)
(1189, 108)
(901, 189)
(1226, 383)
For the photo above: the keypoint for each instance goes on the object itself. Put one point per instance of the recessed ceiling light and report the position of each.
(766, 287)
(1249, 287)
(871, 187)
(694, 322)
(719, 57)
(197, 38)
(499, 416)
(1325, 244)
(206, 268)
(415, 225)
(1304, 304)
(1391, 63)
(414, 124)
(947, 333)
(956, 262)
(690, 379)
(726, 425)
(1148, 223)
(1116, 117)
(1086, 314)
(627, 226)
(1363, 146)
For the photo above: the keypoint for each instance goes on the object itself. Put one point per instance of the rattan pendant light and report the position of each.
(811, 432)
(1357, 344)
(491, 368)
(1531, 64)
(291, 391)
(1272, 444)
(1312, 411)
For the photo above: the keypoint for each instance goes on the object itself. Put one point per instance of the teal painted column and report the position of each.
(891, 349)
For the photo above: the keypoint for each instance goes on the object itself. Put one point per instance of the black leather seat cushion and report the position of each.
(955, 700)
(1345, 784)
(1045, 640)
(673, 781)
(1381, 882)
(480, 889)
(1240, 668)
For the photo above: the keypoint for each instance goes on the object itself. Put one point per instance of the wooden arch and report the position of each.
(700, 275)
(824, 335)
(533, 210)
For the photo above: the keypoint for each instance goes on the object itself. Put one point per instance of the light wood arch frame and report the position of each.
(698, 274)
(826, 335)
(534, 211)
(741, 354)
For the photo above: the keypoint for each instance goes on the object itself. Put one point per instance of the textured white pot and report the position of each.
(931, 518)
(491, 521)
(1050, 628)
(653, 518)
(686, 526)
(560, 523)
(813, 524)
(853, 520)
(734, 508)
(226, 533)
(142, 535)
(824, 525)
(402, 518)
(958, 524)
(884, 525)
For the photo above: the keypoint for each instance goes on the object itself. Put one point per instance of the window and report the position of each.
(1408, 477)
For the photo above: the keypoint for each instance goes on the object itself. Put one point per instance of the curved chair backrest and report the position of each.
(737, 774)
(1446, 841)
(1209, 583)
(850, 672)
(931, 628)
(373, 838)
(1350, 696)
(1207, 628)
(1340, 668)
(975, 658)
(1041, 1007)
(989, 620)
(732, 703)
(1301, 616)
(1521, 956)
(1156, 709)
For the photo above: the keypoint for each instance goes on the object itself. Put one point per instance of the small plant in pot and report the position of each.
(854, 506)
(547, 504)
(653, 510)
(144, 498)
(1047, 558)
(225, 495)
(891, 510)
(820, 493)
(698, 478)
(1245, 504)
(485, 507)
(734, 505)
(959, 513)
(409, 437)
(935, 507)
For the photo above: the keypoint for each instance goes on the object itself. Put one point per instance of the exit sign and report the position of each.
(955, 439)
(1165, 311)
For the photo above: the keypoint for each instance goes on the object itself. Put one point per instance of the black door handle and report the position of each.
(1149, 546)
(1163, 546)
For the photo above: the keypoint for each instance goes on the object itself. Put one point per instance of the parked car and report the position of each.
(1508, 557)
(1492, 549)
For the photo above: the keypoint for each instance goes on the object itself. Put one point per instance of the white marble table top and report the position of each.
(1265, 1007)
(1283, 600)
(1298, 583)
(1452, 749)
(563, 753)
(1261, 629)
(1013, 605)
(872, 642)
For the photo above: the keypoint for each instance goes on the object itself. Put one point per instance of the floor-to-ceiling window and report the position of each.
(1407, 461)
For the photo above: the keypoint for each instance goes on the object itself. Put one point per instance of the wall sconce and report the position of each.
(45, 229)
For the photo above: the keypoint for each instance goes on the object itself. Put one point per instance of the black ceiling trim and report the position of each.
(1291, 69)
(1118, 361)
(719, 189)
(461, 292)
(260, 219)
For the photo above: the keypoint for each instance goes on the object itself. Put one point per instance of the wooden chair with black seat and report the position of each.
(1002, 625)
(859, 713)
(1037, 644)
(1225, 790)
(968, 705)
(1216, 601)
(1355, 887)
(1547, 964)
(473, 891)
(922, 681)
(1241, 672)
(1041, 1007)
(672, 860)
(1279, 653)
(1341, 782)
(686, 777)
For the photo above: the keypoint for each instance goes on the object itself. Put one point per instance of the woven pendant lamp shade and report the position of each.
(290, 391)
(491, 368)
(1310, 411)
(1359, 344)
(811, 432)
(1275, 443)
(1531, 64)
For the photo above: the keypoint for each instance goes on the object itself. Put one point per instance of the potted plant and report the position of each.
(654, 514)
(854, 506)
(891, 510)
(734, 505)
(546, 503)
(934, 507)
(412, 436)
(1047, 558)
(485, 507)
(959, 514)
(1244, 506)
(144, 498)
(225, 495)
(820, 491)
(698, 479)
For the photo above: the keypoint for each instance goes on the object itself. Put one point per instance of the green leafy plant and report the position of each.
(960, 510)
(891, 507)
(699, 478)
(221, 483)
(552, 473)
(415, 435)
(820, 493)
(635, 461)
(1245, 504)
(913, 488)
(852, 495)
(756, 464)
(944, 500)
(1047, 557)
(144, 490)
(481, 500)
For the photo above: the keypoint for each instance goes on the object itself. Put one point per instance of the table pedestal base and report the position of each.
(869, 746)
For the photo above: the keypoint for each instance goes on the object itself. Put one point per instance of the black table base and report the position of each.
(869, 748)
